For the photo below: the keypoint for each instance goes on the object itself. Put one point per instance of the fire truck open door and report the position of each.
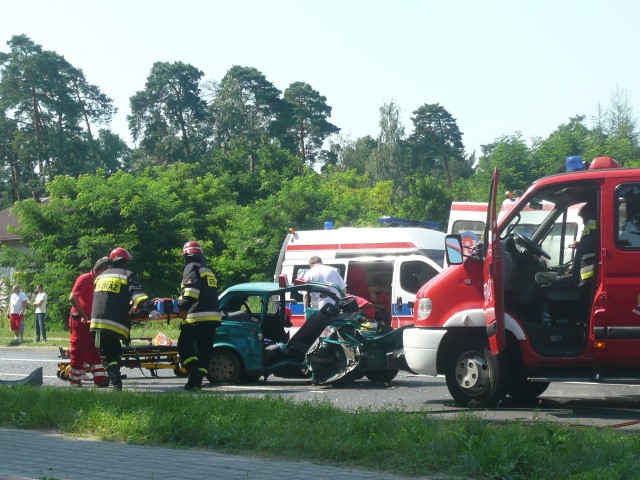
(493, 289)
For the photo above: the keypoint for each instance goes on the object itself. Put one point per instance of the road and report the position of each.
(565, 403)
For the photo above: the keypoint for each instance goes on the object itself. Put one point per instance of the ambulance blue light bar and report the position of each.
(406, 222)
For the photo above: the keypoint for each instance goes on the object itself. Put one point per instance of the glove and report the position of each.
(154, 315)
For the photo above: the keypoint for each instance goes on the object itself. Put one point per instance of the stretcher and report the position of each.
(151, 354)
(141, 353)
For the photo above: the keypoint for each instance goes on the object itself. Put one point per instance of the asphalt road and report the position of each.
(573, 404)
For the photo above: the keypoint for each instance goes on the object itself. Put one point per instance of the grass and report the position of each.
(388, 441)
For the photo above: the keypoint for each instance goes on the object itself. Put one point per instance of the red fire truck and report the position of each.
(540, 298)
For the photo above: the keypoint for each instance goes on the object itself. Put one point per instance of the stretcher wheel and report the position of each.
(64, 374)
(180, 372)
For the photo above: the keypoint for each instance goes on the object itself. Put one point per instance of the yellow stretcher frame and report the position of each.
(145, 356)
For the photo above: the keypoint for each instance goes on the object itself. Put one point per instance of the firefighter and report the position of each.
(116, 295)
(199, 303)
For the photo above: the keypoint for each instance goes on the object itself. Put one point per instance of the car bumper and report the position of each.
(421, 349)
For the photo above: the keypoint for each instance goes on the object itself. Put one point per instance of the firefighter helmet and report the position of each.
(192, 249)
(118, 254)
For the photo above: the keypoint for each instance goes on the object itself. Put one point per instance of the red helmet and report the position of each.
(191, 248)
(119, 254)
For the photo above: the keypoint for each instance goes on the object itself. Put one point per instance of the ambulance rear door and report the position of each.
(411, 272)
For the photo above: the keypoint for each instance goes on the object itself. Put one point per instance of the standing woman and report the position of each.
(41, 312)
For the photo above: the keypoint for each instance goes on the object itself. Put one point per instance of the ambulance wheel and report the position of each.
(382, 375)
(224, 367)
(475, 377)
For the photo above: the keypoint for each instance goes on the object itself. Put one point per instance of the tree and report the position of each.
(437, 143)
(309, 113)
(356, 155)
(390, 160)
(510, 153)
(246, 105)
(54, 108)
(567, 140)
(168, 115)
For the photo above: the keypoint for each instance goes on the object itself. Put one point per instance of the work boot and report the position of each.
(114, 377)
(195, 382)
(104, 383)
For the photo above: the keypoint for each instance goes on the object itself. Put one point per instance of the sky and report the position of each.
(499, 67)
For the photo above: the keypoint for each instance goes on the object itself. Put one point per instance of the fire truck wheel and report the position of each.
(224, 367)
(475, 377)
(522, 389)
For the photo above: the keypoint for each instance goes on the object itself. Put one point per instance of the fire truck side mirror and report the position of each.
(453, 249)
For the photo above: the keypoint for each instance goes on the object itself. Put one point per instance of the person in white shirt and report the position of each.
(17, 305)
(319, 272)
(41, 312)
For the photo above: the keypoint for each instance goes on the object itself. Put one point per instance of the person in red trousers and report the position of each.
(83, 350)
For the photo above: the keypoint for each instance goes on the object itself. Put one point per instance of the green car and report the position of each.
(256, 316)
(253, 340)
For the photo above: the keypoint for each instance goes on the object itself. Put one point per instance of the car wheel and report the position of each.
(382, 375)
(224, 367)
(249, 378)
(475, 377)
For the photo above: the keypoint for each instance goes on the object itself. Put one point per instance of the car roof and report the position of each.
(271, 288)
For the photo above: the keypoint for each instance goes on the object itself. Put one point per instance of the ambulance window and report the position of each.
(300, 270)
(627, 216)
(470, 231)
(415, 274)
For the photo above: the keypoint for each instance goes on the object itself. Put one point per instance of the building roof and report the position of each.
(6, 219)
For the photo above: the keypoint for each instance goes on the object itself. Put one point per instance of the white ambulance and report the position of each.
(386, 266)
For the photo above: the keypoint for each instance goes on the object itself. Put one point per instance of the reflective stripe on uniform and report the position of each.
(208, 275)
(194, 317)
(139, 298)
(102, 324)
(189, 360)
(111, 282)
(586, 270)
(191, 292)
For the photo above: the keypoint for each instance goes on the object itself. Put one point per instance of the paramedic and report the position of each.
(116, 293)
(82, 349)
(199, 300)
(319, 272)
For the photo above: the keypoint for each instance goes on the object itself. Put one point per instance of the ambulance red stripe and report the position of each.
(352, 246)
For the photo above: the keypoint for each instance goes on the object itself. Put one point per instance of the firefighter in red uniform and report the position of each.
(116, 294)
(83, 350)
(199, 299)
